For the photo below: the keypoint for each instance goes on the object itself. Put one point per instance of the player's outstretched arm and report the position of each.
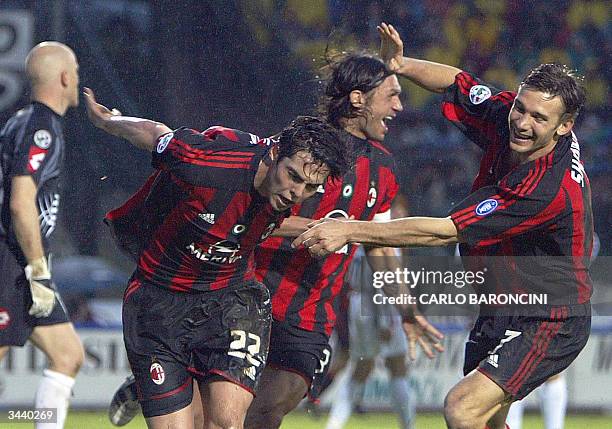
(432, 76)
(292, 227)
(328, 235)
(142, 133)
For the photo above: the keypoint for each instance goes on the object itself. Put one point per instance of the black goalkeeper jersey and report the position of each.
(32, 144)
(537, 217)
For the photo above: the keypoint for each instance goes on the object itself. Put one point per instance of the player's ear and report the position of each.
(357, 98)
(567, 123)
(64, 78)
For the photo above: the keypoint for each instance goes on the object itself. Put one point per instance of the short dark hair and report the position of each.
(316, 136)
(353, 71)
(558, 80)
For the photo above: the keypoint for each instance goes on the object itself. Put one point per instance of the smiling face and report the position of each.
(379, 106)
(293, 179)
(536, 121)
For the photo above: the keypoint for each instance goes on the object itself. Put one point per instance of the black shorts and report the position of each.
(519, 353)
(173, 337)
(16, 325)
(297, 350)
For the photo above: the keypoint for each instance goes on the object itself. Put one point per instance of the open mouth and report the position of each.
(285, 202)
(385, 122)
(521, 139)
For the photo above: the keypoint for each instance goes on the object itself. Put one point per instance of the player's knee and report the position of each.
(264, 419)
(68, 362)
(458, 414)
(270, 414)
(227, 421)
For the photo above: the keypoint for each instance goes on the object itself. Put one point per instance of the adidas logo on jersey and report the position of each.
(492, 360)
(208, 217)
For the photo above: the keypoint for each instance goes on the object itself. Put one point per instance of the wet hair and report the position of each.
(558, 80)
(354, 71)
(316, 136)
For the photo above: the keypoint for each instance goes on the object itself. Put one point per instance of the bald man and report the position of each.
(31, 160)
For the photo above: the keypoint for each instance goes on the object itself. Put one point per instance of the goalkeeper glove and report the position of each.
(43, 290)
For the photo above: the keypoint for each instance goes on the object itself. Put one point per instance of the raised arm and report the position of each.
(142, 133)
(432, 76)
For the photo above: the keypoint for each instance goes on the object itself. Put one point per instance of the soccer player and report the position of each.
(361, 97)
(375, 330)
(193, 308)
(531, 198)
(32, 153)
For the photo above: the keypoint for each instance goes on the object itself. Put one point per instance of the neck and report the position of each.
(543, 151)
(353, 127)
(52, 101)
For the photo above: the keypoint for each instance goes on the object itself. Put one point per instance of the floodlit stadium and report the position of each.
(256, 65)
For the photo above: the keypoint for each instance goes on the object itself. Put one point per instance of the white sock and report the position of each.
(403, 401)
(54, 392)
(553, 402)
(515, 415)
(342, 407)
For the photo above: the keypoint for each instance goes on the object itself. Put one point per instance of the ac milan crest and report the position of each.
(158, 375)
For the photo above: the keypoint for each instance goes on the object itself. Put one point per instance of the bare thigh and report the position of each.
(61, 345)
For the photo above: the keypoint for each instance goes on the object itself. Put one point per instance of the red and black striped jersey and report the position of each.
(304, 289)
(537, 215)
(194, 224)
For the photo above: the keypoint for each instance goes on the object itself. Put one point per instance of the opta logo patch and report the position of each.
(158, 375)
(486, 207)
(5, 318)
(163, 142)
(479, 93)
(42, 139)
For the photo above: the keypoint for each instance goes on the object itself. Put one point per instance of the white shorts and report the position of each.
(364, 333)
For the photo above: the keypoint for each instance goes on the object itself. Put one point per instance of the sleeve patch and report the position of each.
(479, 93)
(486, 207)
(163, 142)
(42, 139)
(35, 158)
